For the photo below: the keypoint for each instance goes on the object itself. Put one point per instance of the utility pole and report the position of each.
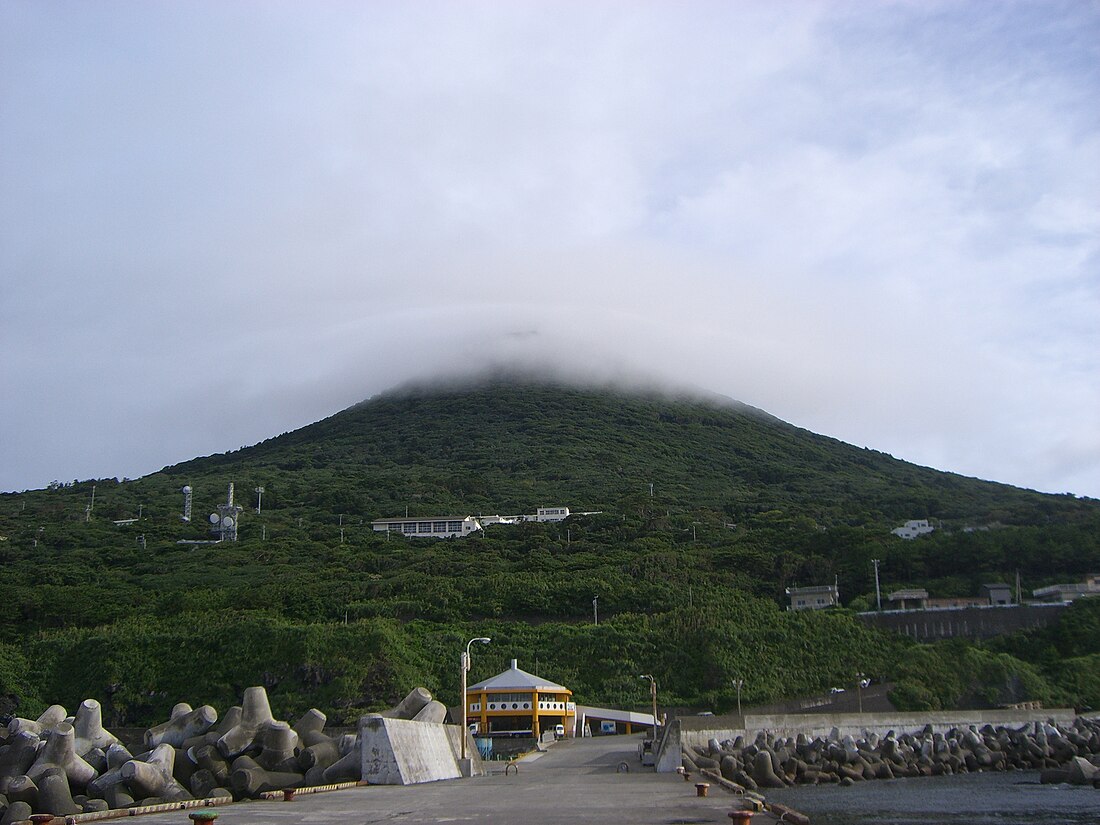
(738, 683)
(259, 500)
(595, 613)
(878, 593)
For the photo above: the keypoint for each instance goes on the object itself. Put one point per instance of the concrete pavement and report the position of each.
(575, 781)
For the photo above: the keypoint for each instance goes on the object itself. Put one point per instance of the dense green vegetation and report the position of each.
(690, 578)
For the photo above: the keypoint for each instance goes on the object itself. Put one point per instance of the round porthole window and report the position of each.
(515, 705)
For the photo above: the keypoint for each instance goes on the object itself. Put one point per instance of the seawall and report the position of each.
(688, 731)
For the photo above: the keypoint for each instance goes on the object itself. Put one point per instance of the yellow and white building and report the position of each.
(516, 701)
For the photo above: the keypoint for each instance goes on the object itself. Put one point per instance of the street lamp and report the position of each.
(465, 668)
(861, 682)
(653, 695)
(738, 683)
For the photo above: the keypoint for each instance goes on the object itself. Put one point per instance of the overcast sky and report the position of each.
(222, 220)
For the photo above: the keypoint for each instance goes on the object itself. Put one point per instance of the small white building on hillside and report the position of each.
(913, 528)
(816, 597)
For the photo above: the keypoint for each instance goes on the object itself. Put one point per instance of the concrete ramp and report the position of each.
(404, 752)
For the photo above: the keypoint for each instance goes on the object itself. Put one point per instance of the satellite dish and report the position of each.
(186, 488)
(228, 521)
(214, 518)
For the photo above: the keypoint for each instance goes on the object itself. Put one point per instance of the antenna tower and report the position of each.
(223, 523)
(186, 503)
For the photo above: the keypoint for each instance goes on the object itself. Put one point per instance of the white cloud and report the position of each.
(876, 221)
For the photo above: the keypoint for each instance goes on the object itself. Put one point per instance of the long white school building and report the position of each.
(443, 527)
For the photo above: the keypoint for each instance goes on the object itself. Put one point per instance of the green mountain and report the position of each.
(707, 510)
(506, 444)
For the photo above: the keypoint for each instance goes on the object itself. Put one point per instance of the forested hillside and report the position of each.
(689, 572)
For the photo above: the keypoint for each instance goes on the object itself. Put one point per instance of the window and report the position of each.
(510, 698)
(439, 527)
(454, 526)
(424, 527)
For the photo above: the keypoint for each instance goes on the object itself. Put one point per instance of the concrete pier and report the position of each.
(576, 781)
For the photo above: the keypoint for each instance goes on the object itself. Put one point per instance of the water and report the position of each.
(973, 799)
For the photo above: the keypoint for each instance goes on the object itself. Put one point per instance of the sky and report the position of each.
(223, 220)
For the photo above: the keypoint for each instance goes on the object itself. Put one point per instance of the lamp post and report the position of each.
(465, 668)
(861, 682)
(738, 683)
(653, 696)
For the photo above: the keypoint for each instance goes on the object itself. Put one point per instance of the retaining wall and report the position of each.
(965, 622)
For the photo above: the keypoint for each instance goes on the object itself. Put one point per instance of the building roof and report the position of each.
(402, 519)
(515, 679)
(909, 593)
(814, 588)
(1060, 588)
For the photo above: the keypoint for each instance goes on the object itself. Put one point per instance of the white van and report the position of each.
(559, 731)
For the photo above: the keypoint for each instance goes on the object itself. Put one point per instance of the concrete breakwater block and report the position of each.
(405, 752)
(182, 727)
(1068, 753)
(60, 752)
(89, 731)
(255, 715)
(64, 765)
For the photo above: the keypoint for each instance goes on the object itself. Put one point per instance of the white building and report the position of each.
(816, 597)
(912, 529)
(436, 527)
(444, 527)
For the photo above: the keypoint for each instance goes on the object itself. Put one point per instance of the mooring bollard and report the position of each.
(740, 817)
(701, 788)
(203, 817)
(288, 795)
(687, 776)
